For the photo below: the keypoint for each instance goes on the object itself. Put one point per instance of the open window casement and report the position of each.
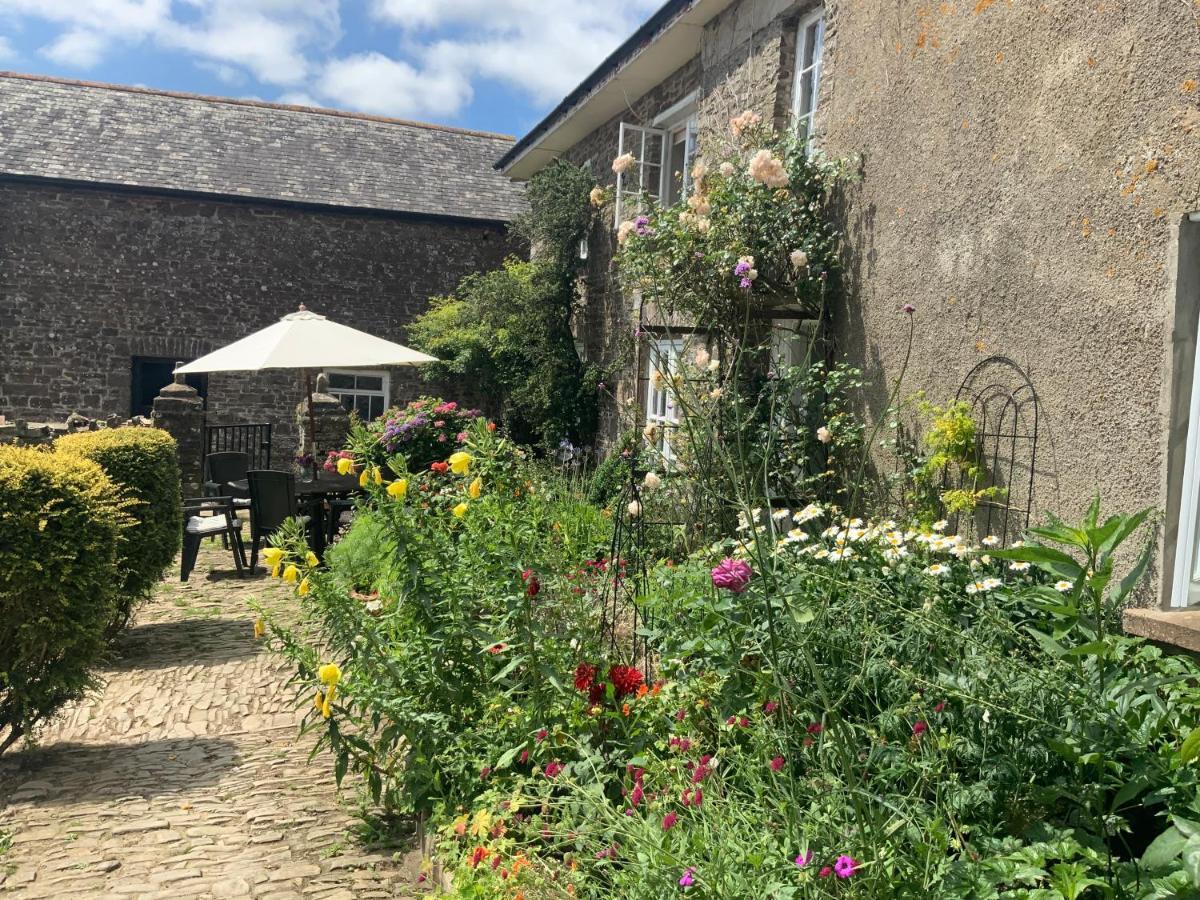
(661, 410)
(643, 180)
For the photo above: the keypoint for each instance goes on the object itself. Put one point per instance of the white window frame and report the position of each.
(807, 118)
(385, 392)
(634, 139)
(679, 118)
(664, 355)
(1187, 554)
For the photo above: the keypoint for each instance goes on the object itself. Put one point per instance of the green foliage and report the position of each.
(611, 477)
(144, 464)
(507, 333)
(427, 430)
(685, 257)
(61, 519)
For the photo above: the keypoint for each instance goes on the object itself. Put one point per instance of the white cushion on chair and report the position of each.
(209, 525)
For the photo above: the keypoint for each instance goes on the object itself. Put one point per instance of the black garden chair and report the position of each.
(272, 502)
(208, 517)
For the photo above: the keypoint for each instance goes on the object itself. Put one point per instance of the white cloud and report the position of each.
(374, 83)
(8, 52)
(77, 49)
(542, 47)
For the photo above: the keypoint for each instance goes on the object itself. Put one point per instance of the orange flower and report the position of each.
(520, 895)
(624, 709)
(642, 691)
(657, 688)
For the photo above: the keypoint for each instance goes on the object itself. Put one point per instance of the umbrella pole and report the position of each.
(312, 422)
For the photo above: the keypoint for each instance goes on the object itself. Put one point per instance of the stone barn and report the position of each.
(140, 227)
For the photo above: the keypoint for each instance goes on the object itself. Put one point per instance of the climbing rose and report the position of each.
(799, 259)
(623, 163)
(844, 866)
(732, 574)
(766, 168)
(596, 196)
(626, 680)
(824, 435)
(744, 120)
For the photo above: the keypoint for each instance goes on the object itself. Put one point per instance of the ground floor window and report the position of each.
(1184, 438)
(149, 375)
(661, 410)
(366, 393)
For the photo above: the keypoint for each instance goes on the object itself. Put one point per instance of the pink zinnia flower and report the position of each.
(919, 728)
(669, 821)
(804, 858)
(845, 866)
(732, 574)
(777, 764)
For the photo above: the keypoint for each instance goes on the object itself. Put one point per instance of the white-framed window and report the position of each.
(366, 392)
(1185, 581)
(662, 365)
(806, 87)
(663, 153)
(643, 179)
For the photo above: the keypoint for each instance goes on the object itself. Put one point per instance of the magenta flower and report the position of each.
(669, 821)
(940, 707)
(845, 866)
(687, 880)
(908, 308)
(770, 706)
(919, 728)
(825, 872)
(777, 764)
(732, 574)
(804, 859)
(553, 768)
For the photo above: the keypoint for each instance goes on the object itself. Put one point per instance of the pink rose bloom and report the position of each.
(732, 574)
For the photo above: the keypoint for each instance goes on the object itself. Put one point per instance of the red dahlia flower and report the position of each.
(532, 585)
(585, 676)
(626, 680)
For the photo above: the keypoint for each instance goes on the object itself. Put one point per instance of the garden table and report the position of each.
(313, 496)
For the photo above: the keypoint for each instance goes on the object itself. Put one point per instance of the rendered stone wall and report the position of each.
(92, 277)
(1026, 168)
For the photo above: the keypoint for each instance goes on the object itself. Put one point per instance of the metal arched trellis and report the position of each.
(1004, 406)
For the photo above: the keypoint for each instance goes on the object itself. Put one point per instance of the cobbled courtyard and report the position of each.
(186, 776)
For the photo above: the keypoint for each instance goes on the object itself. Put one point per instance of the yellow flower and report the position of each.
(291, 574)
(331, 693)
(460, 510)
(273, 556)
(460, 462)
(377, 475)
(260, 628)
(319, 700)
(476, 488)
(398, 488)
(344, 465)
(329, 673)
(275, 570)
(362, 478)
(326, 710)
(311, 559)
(304, 587)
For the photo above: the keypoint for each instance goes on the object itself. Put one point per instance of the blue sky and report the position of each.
(496, 65)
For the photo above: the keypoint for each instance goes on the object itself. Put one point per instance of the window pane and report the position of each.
(678, 171)
(347, 401)
(370, 382)
(341, 380)
(811, 45)
(806, 93)
(376, 407)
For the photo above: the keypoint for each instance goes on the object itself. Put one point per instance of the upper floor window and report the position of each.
(663, 155)
(367, 393)
(810, 46)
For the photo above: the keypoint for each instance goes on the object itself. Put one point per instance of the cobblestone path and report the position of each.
(185, 777)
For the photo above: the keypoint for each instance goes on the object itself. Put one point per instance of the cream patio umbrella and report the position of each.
(305, 340)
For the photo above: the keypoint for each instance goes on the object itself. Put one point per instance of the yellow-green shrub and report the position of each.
(144, 464)
(61, 521)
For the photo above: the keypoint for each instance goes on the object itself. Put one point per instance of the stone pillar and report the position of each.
(329, 418)
(179, 411)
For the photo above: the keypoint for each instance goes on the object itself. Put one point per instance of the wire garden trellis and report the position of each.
(1004, 405)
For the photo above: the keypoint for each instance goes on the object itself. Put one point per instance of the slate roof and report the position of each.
(110, 134)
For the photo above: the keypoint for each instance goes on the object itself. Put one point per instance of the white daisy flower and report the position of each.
(960, 551)
(941, 525)
(821, 554)
(991, 541)
(780, 514)
(990, 584)
(830, 531)
(811, 511)
(936, 569)
(1064, 586)
(844, 553)
(795, 536)
(895, 554)
(1016, 566)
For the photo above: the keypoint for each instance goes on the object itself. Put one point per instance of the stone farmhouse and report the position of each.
(139, 227)
(1029, 180)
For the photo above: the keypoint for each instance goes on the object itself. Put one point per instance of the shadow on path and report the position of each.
(184, 642)
(74, 773)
